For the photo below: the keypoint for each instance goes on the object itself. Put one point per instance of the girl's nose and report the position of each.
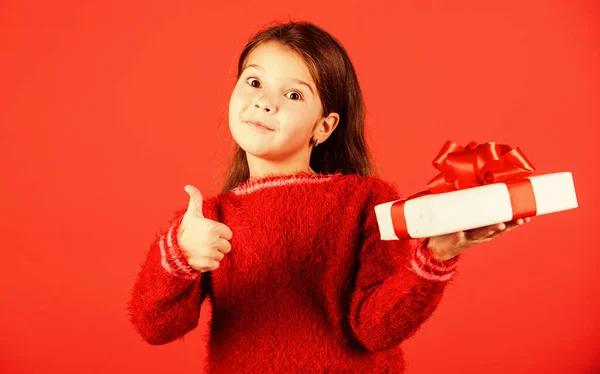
(266, 108)
(264, 104)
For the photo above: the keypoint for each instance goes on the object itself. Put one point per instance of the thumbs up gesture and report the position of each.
(204, 242)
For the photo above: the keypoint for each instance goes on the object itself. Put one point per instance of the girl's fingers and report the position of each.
(512, 225)
(516, 223)
(490, 231)
(482, 232)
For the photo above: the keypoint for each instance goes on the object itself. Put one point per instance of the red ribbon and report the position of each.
(477, 165)
(472, 166)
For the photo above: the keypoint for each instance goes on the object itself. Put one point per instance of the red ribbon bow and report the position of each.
(476, 165)
(472, 166)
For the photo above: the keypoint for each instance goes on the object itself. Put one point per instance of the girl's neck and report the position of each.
(268, 172)
(260, 168)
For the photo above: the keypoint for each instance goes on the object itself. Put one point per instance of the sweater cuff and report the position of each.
(427, 266)
(172, 258)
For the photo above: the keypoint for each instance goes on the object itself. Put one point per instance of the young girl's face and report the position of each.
(275, 105)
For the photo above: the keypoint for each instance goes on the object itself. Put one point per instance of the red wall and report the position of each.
(109, 109)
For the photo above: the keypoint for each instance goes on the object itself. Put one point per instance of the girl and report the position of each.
(289, 252)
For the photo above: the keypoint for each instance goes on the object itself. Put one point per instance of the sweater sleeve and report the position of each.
(399, 283)
(165, 300)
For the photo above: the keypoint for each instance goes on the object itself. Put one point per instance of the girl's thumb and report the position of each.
(195, 204)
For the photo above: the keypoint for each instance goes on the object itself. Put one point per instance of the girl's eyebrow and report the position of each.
(295, 80)
(304, 83)
(254, 66)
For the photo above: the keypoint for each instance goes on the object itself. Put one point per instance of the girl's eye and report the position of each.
(294, 95)
(253, 82)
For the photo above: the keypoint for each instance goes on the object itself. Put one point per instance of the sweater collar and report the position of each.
(277, 180)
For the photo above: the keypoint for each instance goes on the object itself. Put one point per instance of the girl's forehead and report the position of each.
(275, 58)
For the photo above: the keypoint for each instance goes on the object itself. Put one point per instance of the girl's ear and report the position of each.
(326, 126)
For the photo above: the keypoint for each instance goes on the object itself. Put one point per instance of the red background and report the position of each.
(109, 108)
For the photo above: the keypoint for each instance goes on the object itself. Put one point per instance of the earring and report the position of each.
(316, 142)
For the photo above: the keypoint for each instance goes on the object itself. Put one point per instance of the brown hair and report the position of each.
(345, 151)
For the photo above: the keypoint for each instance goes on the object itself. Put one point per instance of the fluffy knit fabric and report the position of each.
(308, 286)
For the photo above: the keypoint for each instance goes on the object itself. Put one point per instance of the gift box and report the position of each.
(478, 185)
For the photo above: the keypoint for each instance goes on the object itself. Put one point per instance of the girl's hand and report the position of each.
(445, 247)
(204, 242)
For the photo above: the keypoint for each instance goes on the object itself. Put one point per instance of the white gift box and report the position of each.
(443, 213)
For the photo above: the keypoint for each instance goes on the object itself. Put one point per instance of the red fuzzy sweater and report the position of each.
(308, 286)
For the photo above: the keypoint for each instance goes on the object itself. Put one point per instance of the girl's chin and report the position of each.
(256, 150)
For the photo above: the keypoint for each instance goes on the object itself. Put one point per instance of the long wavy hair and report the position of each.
(345, 151)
